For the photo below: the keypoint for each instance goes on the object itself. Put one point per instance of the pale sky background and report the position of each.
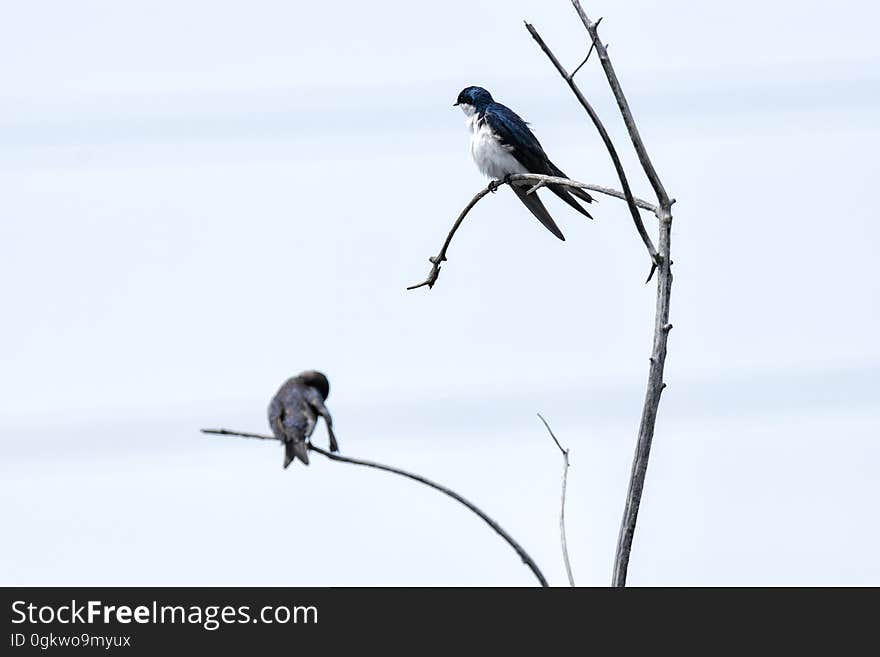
(200, 199)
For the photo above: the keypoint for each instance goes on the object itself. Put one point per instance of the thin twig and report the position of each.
(239, 434)
(630, 199)
(527, 560)
(539, 180)
(438, 259)
(661, 321)
(562, 506)
(586, 59)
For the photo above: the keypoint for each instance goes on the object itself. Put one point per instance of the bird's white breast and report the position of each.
(490, 155)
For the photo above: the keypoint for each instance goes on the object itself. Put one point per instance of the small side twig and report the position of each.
(562, 506)
(586, 59)
(526, 559)
(539, 180)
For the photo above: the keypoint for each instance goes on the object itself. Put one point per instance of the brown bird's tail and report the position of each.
(294, 449)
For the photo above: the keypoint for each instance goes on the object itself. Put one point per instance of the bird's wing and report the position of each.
(514, 134)
(518, 138)
(290, 414)
(292, 420)
(276, 413)
(536, 207)
(297, 424)
(299, 421)
(317, 403)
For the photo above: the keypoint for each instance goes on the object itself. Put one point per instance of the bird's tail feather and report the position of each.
(294, 449)
(536, 207)
(565, 194)
(581, 194)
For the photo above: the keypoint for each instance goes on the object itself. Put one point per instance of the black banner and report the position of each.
(153, 620)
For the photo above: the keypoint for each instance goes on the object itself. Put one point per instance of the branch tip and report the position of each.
(565, 466)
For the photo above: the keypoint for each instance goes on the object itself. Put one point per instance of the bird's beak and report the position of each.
(455, 104)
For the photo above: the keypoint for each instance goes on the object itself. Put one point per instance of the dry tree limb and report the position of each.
(540, 181)
(612, 151)
(562, 505)
(638, 144)
(526, 559)
(661, 322)
(662, 326)
(438, 259)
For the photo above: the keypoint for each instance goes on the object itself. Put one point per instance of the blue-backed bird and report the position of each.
(502, 144)
(294, 411)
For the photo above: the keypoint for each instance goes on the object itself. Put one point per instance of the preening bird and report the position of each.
(294, 411)
(502, 144)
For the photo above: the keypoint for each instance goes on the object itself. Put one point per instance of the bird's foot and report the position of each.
(495, 184)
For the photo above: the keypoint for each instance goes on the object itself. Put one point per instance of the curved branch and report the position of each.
(568, 182)
(527, 560)
(630, 199)
(440, 257)
(239, 434)
(562, 509)
(540, 181)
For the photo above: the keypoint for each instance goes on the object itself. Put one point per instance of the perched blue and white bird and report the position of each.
(502, 144)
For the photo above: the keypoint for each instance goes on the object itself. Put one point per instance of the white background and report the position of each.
(199, 199)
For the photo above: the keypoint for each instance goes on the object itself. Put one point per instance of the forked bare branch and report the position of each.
(609, 145)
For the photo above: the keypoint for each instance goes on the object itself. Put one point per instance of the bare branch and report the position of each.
(562, 508)
(526, 559)
(438, 259)
(633, 208)
(661, 321)
(539, 180)
(239, 434)
(568, 182)
(641, 151)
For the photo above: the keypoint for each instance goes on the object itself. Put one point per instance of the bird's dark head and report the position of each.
(317, 381)
(472, 99)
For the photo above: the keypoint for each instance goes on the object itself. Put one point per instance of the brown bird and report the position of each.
(294, 411)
